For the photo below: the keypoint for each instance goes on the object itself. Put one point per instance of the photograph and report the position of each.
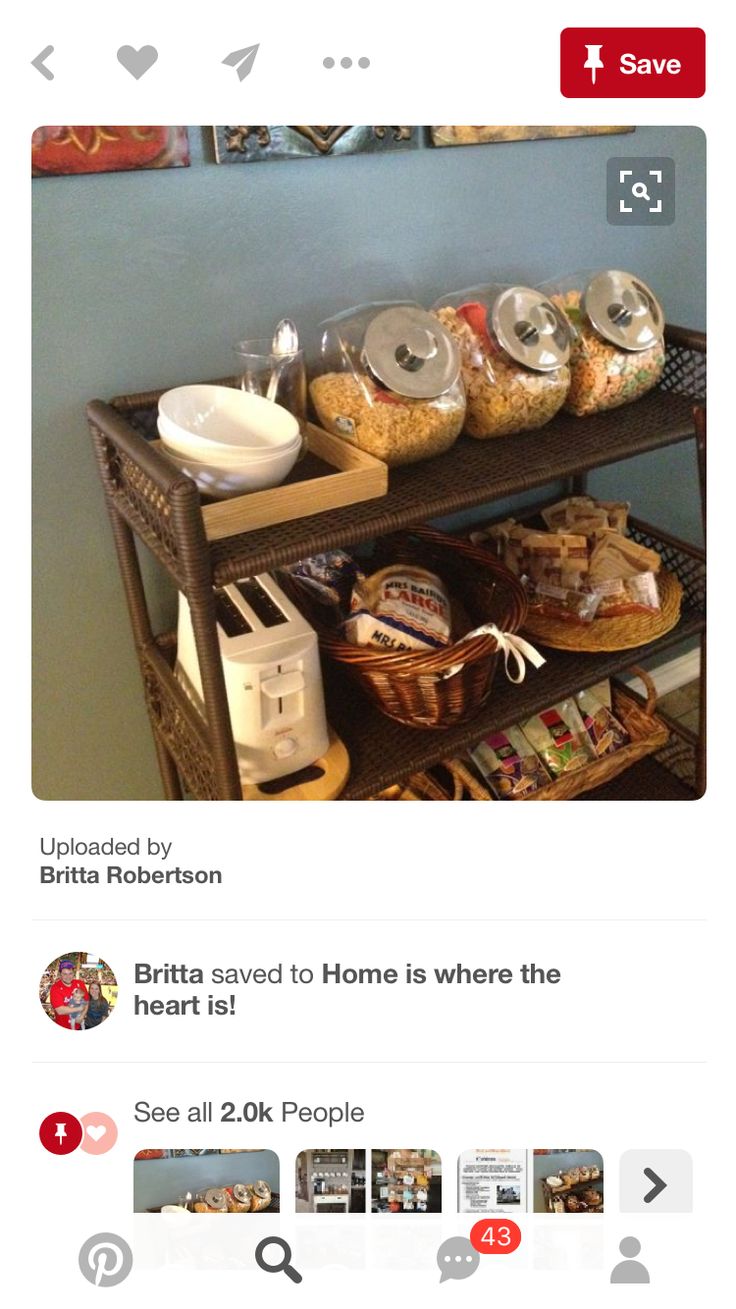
(568, 1182)
(492, 1181)
(392, 535)
(78, 991)
(330, 1182)
(206, 1182)
(406, 1182)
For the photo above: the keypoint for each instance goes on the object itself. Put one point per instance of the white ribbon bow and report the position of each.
(514, 648)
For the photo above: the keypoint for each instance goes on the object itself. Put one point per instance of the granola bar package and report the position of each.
(556, 558)
(560, 602)
(627, 595)
(614, 556)
(581, 513)
(400, 608)
(559, 737)
(606, 733)
(509, 764)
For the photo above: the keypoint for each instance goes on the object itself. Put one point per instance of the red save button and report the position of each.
(637, 62)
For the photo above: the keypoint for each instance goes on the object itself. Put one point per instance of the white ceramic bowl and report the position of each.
(222, 456)
(201, 421)
(223, 483)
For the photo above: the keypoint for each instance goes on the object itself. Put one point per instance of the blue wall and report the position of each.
(146, 279)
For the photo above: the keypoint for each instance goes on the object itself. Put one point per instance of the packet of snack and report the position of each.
(551, 601)
(557, 558)
(401, 607)
(606, 733)
(581, 513)
(559, 737)
(627, 595)
(614, 556)
(509, 764)
(328, 577)
(495, 536)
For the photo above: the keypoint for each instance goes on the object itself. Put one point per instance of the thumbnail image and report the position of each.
(568, 1182)
(406, 1181)
(206, 1182)
(492, 1181)
(78, 991)
(330, 1182)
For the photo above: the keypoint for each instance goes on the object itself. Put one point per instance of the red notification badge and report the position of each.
(495, 1236)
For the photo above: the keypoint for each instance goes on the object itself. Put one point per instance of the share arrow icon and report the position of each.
(242, 60)
(658, 1187)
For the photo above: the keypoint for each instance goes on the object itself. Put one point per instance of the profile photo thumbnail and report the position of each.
(78, 991)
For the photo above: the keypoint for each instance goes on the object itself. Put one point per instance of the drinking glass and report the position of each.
(281, 378)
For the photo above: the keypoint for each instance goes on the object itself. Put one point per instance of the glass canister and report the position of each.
(618, 338)
(514, 347)
(390, 382)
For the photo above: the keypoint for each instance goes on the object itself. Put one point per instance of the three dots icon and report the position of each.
(346, 62)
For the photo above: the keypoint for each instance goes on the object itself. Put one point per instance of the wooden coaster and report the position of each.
(325, 779)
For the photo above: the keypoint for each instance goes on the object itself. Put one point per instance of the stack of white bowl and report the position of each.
(229, 441)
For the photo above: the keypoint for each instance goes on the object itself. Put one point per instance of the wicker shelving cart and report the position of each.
(150, 501)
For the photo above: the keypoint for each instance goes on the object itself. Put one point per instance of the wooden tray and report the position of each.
(350, 475)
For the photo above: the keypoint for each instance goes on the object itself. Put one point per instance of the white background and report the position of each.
(611, 1057)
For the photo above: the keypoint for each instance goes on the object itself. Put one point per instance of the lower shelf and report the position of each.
(383, 752)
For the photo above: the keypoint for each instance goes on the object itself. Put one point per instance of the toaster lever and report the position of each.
(277, 688)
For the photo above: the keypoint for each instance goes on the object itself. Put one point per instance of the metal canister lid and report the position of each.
(242, 1193)
(531, 329)
(410, 352)
(623, 310)
(215, 1198)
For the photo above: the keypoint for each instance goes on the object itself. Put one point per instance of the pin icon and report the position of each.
(60, 1132)
(594, 61)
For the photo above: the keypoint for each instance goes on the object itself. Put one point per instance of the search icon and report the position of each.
(284, 1265)
(639, 189)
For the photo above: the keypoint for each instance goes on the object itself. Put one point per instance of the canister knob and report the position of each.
(408, 351)
(531, 329)
(623, 310)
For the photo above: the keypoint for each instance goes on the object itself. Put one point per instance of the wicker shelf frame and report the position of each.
(149, 501)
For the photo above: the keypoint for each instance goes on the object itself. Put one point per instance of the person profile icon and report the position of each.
(630, 1270)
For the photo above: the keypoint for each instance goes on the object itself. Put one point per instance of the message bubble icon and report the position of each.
(456, 1259)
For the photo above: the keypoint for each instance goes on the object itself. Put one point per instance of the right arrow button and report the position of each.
(643, 1188)
(658, 1187)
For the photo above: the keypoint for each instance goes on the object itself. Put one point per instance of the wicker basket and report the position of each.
(419, 688)
(647, 732)
(450, 780)
(625, 633)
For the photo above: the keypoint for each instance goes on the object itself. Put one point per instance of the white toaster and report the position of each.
(272, 677)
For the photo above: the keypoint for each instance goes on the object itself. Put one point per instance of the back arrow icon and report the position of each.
(658, 1187)
(38, 63)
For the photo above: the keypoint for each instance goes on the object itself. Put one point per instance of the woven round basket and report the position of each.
(434, 688)
(625, 633)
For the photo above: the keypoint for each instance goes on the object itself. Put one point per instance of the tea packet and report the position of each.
(509, 764)
(559, 737)
(606, 733)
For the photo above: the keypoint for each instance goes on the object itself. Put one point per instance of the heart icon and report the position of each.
(100, 1132)
(137, 62)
